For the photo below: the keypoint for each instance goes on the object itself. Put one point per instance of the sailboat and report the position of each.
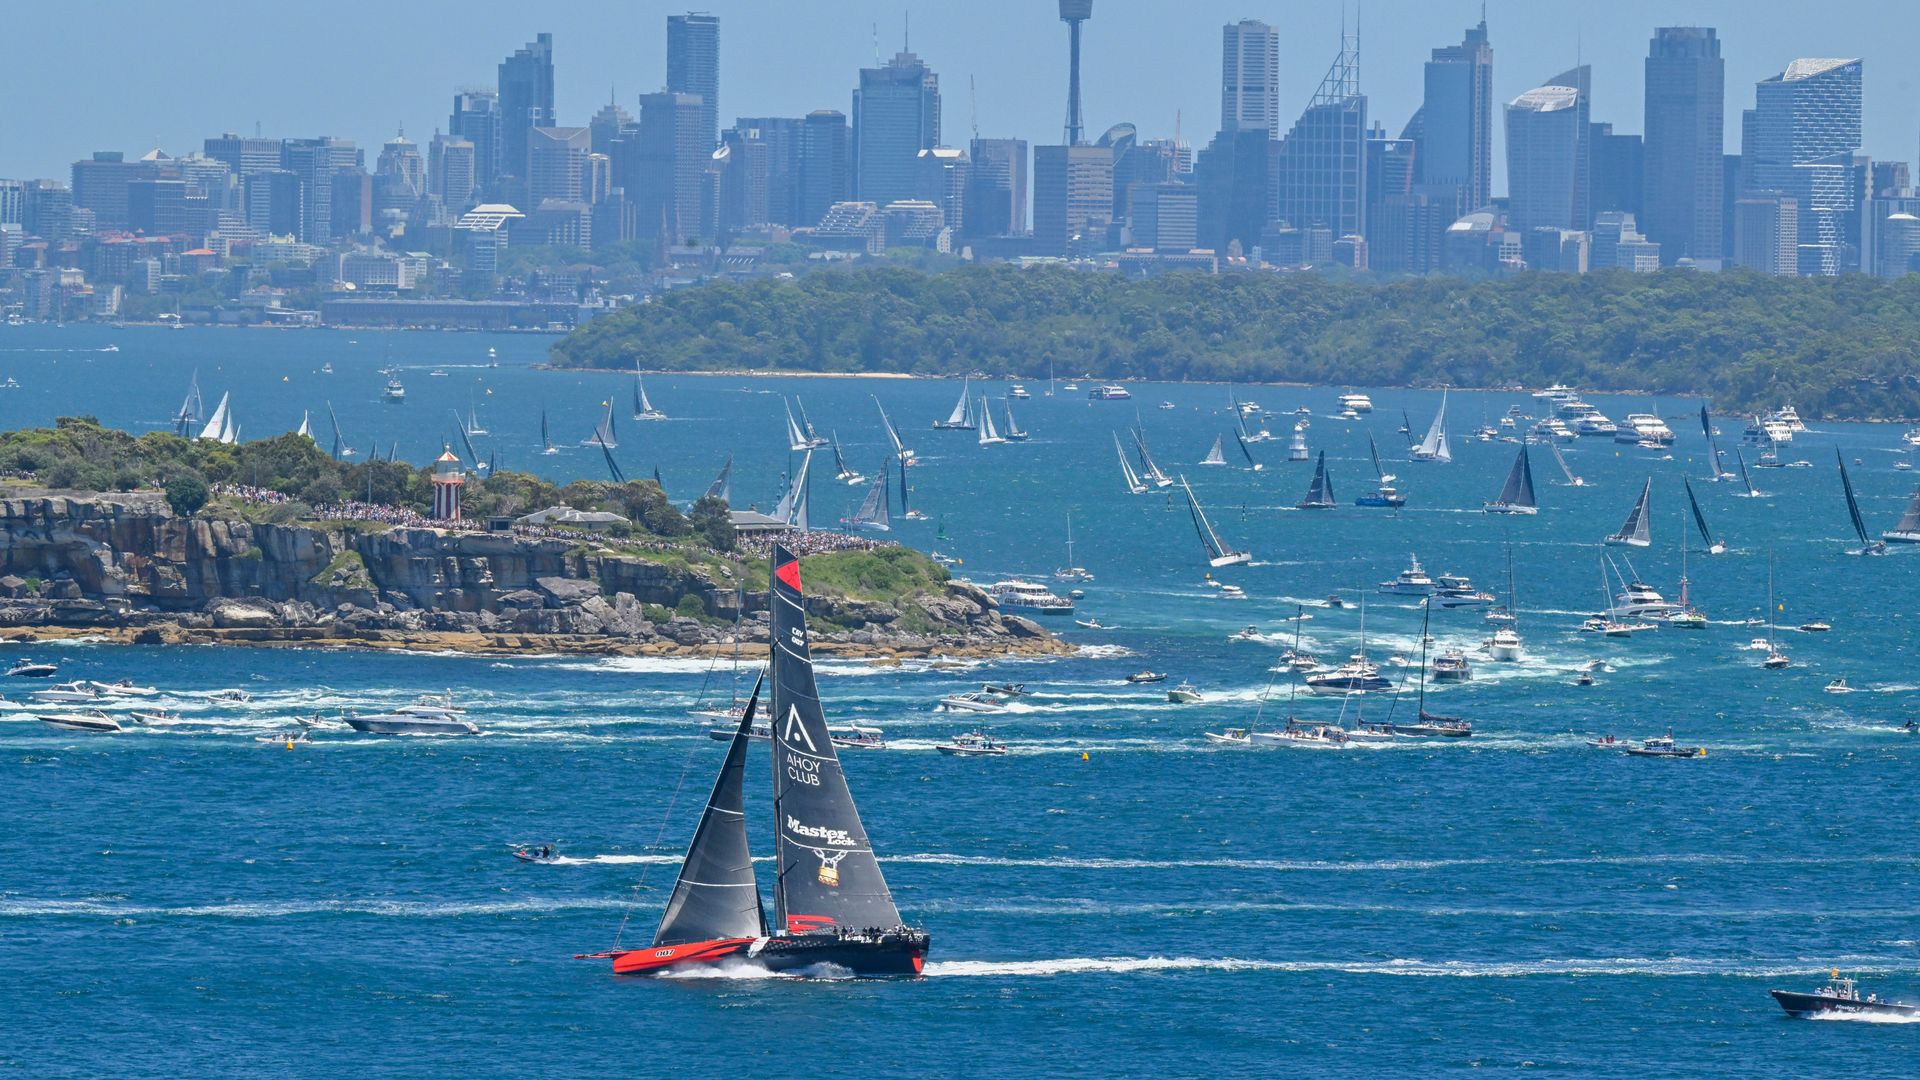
(1505, 645)
(306, 424)
(873, 513)
(722, 486)
(1746, 478)
(1427, 723)
(961, 419)
(1714, 547)
(989, 435)
(1434, 447)
(1014, 431)
(1215, 456)
(604, 435)
(841, 470)
(1516, 495)
(1385, 494)
(1775, 658)
(546, 440)
(1688, 617)
(341, 450)
(907, 513)
(1572, 480)
(1132, 480)
(796, 438)
(1148, 470)
(1240, 419)
(1713, 448)
(1218, 553)
(466, 443)
(831, 902)
(810, 436)
(1071, 571)
(643, 408)
(1908, 531)
(1636, 531)
(793, 505)
(1868, 546)
(190, 408)
(1320, 493)
(1252, 465)
(899, 450)
(220, 425)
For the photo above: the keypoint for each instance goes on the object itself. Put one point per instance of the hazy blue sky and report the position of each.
(86, 74)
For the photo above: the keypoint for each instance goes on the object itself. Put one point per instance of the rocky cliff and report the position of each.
(126, 563)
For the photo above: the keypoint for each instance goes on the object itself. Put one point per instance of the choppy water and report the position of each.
(185, 900)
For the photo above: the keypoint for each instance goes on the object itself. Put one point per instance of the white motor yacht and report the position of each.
(1413, 581)
(1505, 646)
(1642, 601)
(1032, 597)
(972, 701)
(1455, 590)
(1642, 428)
(1359, 403)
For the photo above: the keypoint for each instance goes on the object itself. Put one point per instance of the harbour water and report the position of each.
(1116, 896)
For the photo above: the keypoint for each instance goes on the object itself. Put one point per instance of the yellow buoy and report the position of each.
(1084, 757)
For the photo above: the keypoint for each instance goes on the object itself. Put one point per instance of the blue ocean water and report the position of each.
(1115, 897)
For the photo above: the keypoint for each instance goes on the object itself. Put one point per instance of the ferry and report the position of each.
(1014, 594)
(1644, 428)
(1359, 403)
(1018, 391)
(1109, 392)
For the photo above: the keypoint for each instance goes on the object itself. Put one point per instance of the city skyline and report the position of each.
(1014, 55)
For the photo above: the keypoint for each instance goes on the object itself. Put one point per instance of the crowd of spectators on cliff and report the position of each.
(810, 543)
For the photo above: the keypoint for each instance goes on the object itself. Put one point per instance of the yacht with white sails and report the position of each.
(1908, 530)
(961, 418)
(1219, 553)
(1637, 530)
(1434, 447)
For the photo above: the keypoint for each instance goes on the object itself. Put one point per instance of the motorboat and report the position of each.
(1641, 429)
(543, 855)
(92, 720)
(1642, 601)
(972, 701)
(290, 738)
(1018, 392)
(1247, 633)
(973, 744)
(411, 720)
(1147, 677)
(1839, 686)
(1335, 600)
(1356, 676)
(1109, 392)
(152, 716)
(1359, 403)
(68, 693)
(1840, 995)
(1451, 667)
(1585, 678)
(1091, 623)
(1552, 429)
(1232, 592)
(1294, 660)
(395, 393)
(1168, 405)
(1307, 736)
(1184, 694)
(122, 688)
(1608, 742)
(1664, 746)
(236, 697)
(1599, 624)
(1413, 581)
(1014, 594)
(1233, 736)
(1453, 590)
(1505, 646)
(1815, 627)
(32, 669)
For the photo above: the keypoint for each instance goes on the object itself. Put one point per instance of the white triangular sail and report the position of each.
(796, 439)
(1908, 531)
(899, 449)
(1148, 468)
(1434, 447)
(791, 502)
(216, 428)
(958, 418)
(306, 424)
(1013, 426)
(874, 513)
(1218, 553)
(988, 434)
(603, 435)
(1215, 456)
(1132, 479)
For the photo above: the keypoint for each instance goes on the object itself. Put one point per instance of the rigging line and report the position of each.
(640, 886)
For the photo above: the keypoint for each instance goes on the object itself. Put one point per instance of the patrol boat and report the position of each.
(831, 903)
(1840, 995)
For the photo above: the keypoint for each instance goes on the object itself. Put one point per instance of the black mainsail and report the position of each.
(722, 486)
(716, 895)
(1320, 493)
(1714, 547)
(1516, 495)
(827, 873)
(1868, 545)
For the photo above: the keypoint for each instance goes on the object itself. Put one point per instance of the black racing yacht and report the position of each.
(1840, 995)
(831, 904)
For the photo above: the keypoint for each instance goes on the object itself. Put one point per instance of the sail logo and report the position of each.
(822, 833)
(796, 731)
(797, 636)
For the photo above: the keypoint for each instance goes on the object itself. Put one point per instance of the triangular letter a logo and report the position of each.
(796, 732)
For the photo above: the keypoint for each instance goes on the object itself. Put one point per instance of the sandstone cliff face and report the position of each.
(126, 560)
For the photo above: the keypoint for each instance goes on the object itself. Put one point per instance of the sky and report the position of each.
(86, 75)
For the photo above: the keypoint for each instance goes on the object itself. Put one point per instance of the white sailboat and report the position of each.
(813, 439)
(793, 505)
(218, 423)
(1434, 447)
(1014, 433)
(643, 407)
(961, 418)
(893, 436)
(190, 408)
(341, 451)
(989, 435)
(1215, 456)
(604, 435)
(1218, 553)
(1775, 658)
(844, 472)
(1149, 471)
(1132, 479)
(797, 440)
(1072, 571)
(472, 426)
(1636, 531)
(306, 424)
(873, 514)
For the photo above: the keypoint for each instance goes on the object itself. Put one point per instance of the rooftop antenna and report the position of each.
(876, 44)
(906, 31)
(973, 109)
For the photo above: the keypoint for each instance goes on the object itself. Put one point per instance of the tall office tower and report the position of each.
(1766, 233)
(1685, 122)
(1073, 13)
(1165, 216)
(826, 164)
(1619, 171)
(1800, 142)
(476, 118)
(211, 177)
(399, 175)
(273, 202)
(665, 174)
(1153, 161)
(1250, 77)
(943, 182)
(557, 163)
(1072, 196)
(47, 210)
(244, 155)
(783, 137)
(352, 201)
(896, 114)
(607, 126)
(1453, 130)
(314, 162)
(526, 101)
(693, 66)
(1235, 176)
(13, 202)
(157, 207)
(1549, 156)
(450, 170)
(997, 188)
(1396, 205)
(100, 184)
(1320, 167)
(745, 163)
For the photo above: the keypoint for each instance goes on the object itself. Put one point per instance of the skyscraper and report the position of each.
(1454, 127)
(526, 101)
(896, 114)
(826, 170)
(1549, 156)
(476, 118)
(693, 66)
(665, 178)
(1250, 77)
(1685, 118)
(557, 163)
(1801, 137)
(244, 155)
(314, 162)
(1235, 178)
(943, 182)
(450, 170)
(1072, 195)
(997, 188)
(783, 136)
(1320, 167)
(1073, 13)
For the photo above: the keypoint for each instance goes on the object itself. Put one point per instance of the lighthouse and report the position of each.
(447, 481)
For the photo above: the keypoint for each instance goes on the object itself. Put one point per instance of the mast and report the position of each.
(1244, 452)
(466, 442)
(1562, 460)
(1134, 486)
(716, 895)
(806, 425)
(1745, 477)
(826, 872)
(1218, 553)
(1853, 504)
(340, 447)
(546, 441)
(905, 511)
(1714, 547)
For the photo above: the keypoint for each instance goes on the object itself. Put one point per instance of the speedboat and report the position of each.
(238, 697)
(1839, 686)
(1184, 694)
(1335, 600)
(1451, 667)
(1167, 405)
(1453, 590)
(1247, 633)
(304, 735)
(1091, 623)
(972, 701)
(973, 744)
(1505, 646)
(1607, 742)
(1232, 592)
(68, 693)
(1413, 581)
(1012, 689)
(411, 720)
(1013, 594)
(1664, 746)
(123, 688)
(90, 720)
(152, 716)
(1147, 677)
(1293, 660)
(1840, 995)
(1775, 660)
(1233, 736)
(1815, 627)
(1310, 736)
(539, 854)
(32, 669)
(395, 393)
(1353, 677)
(1585, 678)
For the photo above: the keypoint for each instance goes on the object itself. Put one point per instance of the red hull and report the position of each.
(897, 952)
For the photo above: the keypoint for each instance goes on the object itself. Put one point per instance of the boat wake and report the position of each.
(1866, 1018)
(270, 909)
(1667, 967)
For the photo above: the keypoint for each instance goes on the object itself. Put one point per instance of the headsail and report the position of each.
(1908, 531)
(190, 408)
(216, 428)
(1434, 447)
(790, 503)
(473, 456)
(1134, 486)
(827, 874)
(1320, 494)
(716, 896)
(806, 425)
(1714, 547)
(604, 435)
(306, 424)
(1636, 531)
(1561, 459)
(873, 513)
(1218, 553)
(989, 435)
(960, 416)
(899, 449)
(1215, 456)
(796, 438)
(722, 486)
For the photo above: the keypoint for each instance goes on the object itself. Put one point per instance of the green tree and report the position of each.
(711, 521)
(187, 493)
